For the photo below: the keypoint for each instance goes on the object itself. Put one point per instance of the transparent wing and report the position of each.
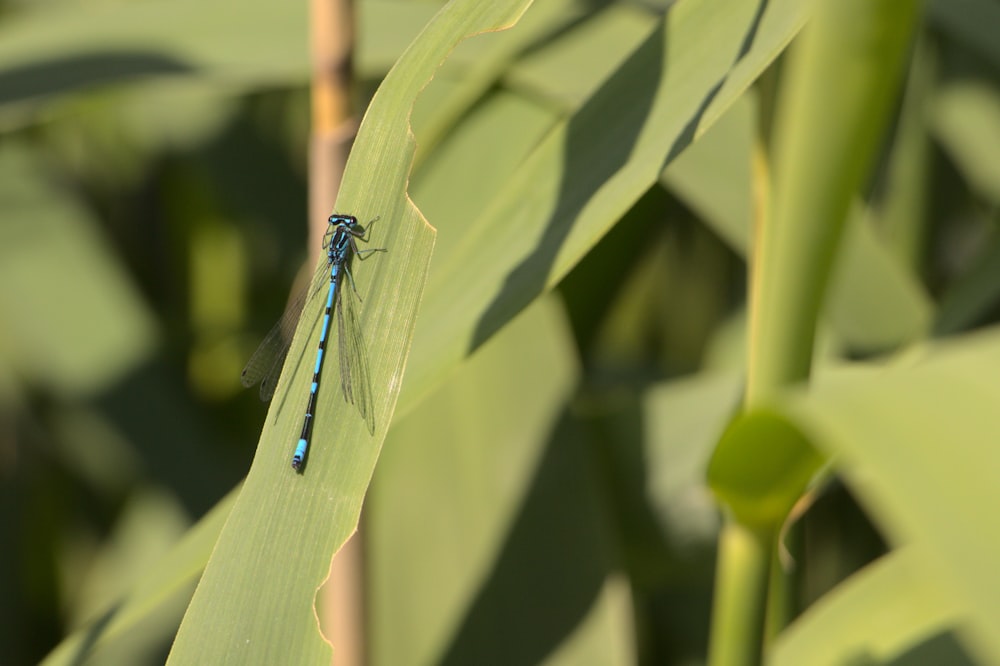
(266, 363)
(354, 379)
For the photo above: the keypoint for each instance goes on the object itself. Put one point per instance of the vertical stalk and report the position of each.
(740, 595)
(332, 125)
(837, 92)
(841, 83)
(342, 617)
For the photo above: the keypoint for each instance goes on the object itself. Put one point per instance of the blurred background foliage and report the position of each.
(545, 501)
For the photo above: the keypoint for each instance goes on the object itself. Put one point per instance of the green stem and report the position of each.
(740, 598)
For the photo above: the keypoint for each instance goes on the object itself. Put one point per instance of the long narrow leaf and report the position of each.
(255, 602)
(591, 168)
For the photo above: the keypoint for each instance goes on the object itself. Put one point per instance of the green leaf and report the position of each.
(569, 69)
(917, 445)
(589, 170)
(966, 120)
(384, 29)
(505, 126)
(151, 609)
(50, 52)
(47, 236)
(474, 68)
(895, 610)
(713, 177)
(484, 501)
(657, 454)
(873, 305)
(255, 602)
(684, 420)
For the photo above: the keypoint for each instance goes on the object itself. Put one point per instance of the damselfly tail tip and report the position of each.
(300, 455)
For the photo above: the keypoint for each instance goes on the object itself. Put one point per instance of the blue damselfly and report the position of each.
(340, 243)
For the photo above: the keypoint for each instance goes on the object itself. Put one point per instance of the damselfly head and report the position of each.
(349, 221)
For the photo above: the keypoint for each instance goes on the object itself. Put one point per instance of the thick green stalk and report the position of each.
(839, 87)
(741, 595)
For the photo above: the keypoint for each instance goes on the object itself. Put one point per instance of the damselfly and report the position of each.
(340, 243)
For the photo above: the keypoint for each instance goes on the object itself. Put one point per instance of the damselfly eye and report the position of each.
(343, 220)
